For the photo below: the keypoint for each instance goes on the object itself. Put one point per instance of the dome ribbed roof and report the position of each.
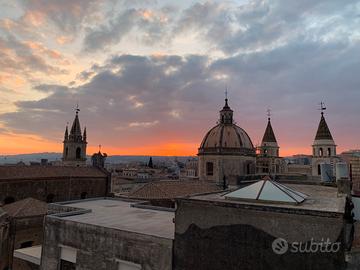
(227, 139)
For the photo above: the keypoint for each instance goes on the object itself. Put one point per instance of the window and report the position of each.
(50, 198)
(321, 152)
(78, 153)
(329, 152)
(66, 151)
(83, 195)
(248, 168)
(319, 169)
(9, 200)
(209, 168)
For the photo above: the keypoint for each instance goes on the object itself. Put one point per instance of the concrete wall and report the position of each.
(218, 236)
(98, 248)
(63, 189)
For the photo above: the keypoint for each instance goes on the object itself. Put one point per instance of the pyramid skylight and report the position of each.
(267, 190)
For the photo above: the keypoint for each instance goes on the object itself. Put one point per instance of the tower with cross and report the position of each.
(324, 147)
(75, 142)
(268, 160)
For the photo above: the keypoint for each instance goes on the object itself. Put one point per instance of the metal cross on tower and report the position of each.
(322, 107)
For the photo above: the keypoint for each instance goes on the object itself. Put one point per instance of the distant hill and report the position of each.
(36, 157)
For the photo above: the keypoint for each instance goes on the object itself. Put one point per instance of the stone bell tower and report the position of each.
(324, 147)
(74, 153)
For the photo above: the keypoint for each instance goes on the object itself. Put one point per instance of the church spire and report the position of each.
(75, 132)
(84, 136)
(323, 131)
(269, 135)
(66, 135)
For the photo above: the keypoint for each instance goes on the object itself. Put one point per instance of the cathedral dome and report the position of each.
(226, 137)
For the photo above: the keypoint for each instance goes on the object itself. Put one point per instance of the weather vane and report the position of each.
(268, 113)
(322, 107)
(77, 110)
(226, 92)
(99, 147)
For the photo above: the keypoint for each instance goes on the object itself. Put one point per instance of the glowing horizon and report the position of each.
(150, 76)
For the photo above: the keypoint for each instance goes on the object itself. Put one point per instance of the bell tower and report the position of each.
(74, 153)
(324, 147)
(269, 146)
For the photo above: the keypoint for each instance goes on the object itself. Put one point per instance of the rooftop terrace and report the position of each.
(122, 215)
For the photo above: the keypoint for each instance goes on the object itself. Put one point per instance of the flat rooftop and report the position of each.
(320, 199)
(124, 216)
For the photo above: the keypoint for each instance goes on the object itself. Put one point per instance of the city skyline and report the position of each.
(150, 76)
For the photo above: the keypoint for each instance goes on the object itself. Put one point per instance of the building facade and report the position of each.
(226, 151)
(52, 183)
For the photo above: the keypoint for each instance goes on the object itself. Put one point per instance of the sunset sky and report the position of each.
(149, 76)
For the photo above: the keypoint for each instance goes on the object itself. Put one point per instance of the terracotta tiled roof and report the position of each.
(172, 189)
(269, 135)
(43, 172)
(323, 132)
(26, 208)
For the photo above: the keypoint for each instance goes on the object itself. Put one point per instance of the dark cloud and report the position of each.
(131, 99)
(150, 25)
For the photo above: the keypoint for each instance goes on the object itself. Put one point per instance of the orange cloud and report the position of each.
(38, 47)
(34, 18)
(63, 40)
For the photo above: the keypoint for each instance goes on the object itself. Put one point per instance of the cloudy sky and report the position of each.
(149, 76)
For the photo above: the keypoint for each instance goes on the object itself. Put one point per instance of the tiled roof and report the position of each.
(269, 135)
(172, 189)
(323, 132)
(26, 208)
(43, 172)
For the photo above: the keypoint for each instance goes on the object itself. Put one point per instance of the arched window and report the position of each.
(321, 153)
(66, 151)
(50, 198)
(209, 168)
(248, 168)
(9, 200)
(78, 153)
(319, 169)
(83, 195)
(329, 152)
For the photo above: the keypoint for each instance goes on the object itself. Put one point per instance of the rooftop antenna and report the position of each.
(322, 107)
